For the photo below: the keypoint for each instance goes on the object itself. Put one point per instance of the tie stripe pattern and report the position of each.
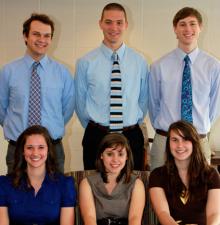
(116, 100)
(34, 113)
(186, 96)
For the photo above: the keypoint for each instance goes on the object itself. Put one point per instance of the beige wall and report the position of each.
(77, 32)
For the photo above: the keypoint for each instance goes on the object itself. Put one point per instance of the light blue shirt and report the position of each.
(57, 96)
(93, 74)
(165, 83)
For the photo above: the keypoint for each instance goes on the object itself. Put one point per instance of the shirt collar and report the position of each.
(29, 60)
(108, 52)
(47, 180)
(192, 55)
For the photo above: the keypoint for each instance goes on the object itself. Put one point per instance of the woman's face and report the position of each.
(35, 151)
(114, 159)
(181, 149)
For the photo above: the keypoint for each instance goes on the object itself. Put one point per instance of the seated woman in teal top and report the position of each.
(35, 192)
(112, 195)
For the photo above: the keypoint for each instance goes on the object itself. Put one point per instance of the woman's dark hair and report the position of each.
(115, 140)
(198, 169)
(20, 164)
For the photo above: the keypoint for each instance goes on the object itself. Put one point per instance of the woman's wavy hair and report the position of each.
(115, 140)
(20, 165)
(198, 170)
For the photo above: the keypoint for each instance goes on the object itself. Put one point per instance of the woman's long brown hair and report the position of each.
(198, 170)
(20, 164)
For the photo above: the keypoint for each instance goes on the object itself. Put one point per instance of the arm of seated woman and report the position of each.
(213, 207)
(67, 216)
(86, 203)
(4, 216)
(137, 203)
(160, 205)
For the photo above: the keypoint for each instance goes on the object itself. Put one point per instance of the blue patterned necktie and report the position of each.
(34, 113)
(116, 101)
(186, 97)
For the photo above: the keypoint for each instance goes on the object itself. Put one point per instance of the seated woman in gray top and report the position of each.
(113, 194)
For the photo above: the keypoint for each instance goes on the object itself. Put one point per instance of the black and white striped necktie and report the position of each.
(116, 100)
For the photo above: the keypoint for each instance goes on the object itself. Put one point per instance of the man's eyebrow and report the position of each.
(37, 32)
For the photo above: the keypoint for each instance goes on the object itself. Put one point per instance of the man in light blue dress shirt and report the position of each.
(165, 83)
(57, 89)
(93, 76)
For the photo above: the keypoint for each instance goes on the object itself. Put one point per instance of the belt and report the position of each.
(112, 221)
(165, 133)
(106, 128)
(162, 132)
(54, 141)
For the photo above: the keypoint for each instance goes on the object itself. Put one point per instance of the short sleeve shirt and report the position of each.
(24, 207)
(191, 212)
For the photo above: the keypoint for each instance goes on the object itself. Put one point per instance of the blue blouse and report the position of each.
(25, 208)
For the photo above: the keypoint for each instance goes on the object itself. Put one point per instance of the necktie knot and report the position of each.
(115, 56)
(187, 59)
(35, 65)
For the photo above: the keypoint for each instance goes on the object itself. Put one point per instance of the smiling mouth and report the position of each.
(35, 159)
(181, 153)
(40, 45)
(115, 165)
(188, 35)
(113, 34)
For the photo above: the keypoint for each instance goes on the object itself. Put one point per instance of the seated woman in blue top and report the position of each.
(112, 195)
(186, 190)
(35, 192)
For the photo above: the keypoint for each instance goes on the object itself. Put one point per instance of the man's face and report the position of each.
(113, 25)
(187, 31)
(38, 39)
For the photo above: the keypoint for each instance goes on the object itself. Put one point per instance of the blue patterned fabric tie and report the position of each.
(34, 113)
(116, 100)
(186, 97)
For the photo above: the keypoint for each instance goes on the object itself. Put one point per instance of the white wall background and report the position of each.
(77, 31)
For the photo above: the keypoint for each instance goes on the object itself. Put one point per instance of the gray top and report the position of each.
(115, 204)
